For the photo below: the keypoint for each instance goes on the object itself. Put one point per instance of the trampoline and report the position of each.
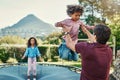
(44, 72)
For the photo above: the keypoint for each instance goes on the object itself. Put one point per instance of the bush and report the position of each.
(16, 40)
(54, 38)
(43, 51)
(12, 40)
(17, 52)
(54, 52)
(14, 52)
(115, 28)
(49, 52)
(4, 55)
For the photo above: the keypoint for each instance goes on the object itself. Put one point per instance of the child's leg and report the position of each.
(74, 56)
(29, 66)
(64, 51)
(34, 66)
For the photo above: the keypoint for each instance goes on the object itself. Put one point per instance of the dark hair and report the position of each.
(102, 33)
(29, 44)
(71, 9)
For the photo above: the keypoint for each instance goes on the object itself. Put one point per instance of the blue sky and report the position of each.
(50, 11)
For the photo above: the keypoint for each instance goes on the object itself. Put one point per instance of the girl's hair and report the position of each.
(29, 43)
(71, 9)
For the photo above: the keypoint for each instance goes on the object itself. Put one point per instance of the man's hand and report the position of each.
(70, 44)
(67, 28)
(84, 29)
(90, 36)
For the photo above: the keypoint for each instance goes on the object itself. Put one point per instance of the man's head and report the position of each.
(102, 33)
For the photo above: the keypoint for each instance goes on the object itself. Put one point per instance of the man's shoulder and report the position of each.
(82, 44)
(81, 47)
(85, 43)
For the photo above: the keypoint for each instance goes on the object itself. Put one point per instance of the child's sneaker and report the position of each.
(34, 77)
(28, 77)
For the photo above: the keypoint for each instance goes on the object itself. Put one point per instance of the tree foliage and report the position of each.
(107, 8)
(53, 38)
(12, 40)
(115, 28)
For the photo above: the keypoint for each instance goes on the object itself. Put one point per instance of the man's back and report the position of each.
(96, 60)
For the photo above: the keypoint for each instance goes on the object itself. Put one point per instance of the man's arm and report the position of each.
(70, 44)
(90, 36)
(76, 47)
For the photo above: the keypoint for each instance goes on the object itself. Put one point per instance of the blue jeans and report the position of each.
(66, 53)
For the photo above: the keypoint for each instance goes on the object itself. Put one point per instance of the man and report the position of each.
(96, 56)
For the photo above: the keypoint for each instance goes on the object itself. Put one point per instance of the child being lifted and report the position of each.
(73, 23)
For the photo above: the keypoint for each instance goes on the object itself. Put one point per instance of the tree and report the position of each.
(53, 38)
(105, 8)
(108, 9)
(115, 28)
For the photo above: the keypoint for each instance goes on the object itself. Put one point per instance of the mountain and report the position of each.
(29, 26)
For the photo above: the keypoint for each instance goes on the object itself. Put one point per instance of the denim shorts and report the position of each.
(66, 53)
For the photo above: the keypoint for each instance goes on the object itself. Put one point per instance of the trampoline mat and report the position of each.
(50, 72)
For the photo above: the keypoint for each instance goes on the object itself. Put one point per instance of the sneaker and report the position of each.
(28, 77)
(34, 77)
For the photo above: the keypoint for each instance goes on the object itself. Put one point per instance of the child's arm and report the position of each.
(41, 59)
(39, 55)
(70, 44)
(87, 27)
(62, 23)
(23, 57)
(25, 54)
(59, 24)
(90, 27)
(90, 36)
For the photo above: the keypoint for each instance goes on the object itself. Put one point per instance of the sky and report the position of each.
(50, 11)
